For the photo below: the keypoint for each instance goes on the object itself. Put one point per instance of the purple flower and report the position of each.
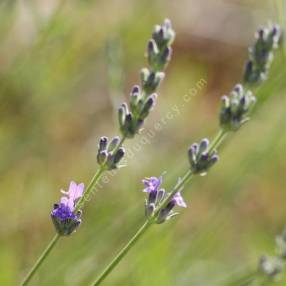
(152, 184)
(72, 195)
(179, 200)
(64, 218)
(63, 212)
(167, 212)
(156, 197)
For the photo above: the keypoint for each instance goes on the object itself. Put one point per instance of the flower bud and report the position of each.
(101, 157)
(152, 53)
(200, 158)
(235, 108)
(149, 104)
(102, 143)
(164, 35)
(151, 80)
(164, 58)
(149, 210)
(271, 266)
(109, 158)
(118, 156)
(122, 116)
(113, 144)
(152, 197)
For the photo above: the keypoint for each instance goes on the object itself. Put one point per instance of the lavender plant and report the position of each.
(269, 268)
(66, 214)
(261, 54)
(234, 113)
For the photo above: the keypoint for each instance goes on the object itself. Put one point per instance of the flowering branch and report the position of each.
(234, 113)
(66, 215)
(162, 213)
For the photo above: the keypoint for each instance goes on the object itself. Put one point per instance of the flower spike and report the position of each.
(66, 220)
(143, 99)
(261, 54)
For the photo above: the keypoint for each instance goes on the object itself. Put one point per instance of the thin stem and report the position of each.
(89, 189)
(245, 280)
(79, 205)
(217, 140)
(122, 253)
(40, 260)
(138, 234)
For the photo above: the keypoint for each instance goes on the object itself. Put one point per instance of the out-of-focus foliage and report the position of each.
(59, 88)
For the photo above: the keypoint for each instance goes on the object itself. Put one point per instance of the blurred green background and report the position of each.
(65, 66)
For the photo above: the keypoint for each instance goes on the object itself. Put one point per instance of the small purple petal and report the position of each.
(72, 187)
(179, 200)
(79, 193)
(72, 195)
(204, 156)
(152, 184)
(75, 191)
(63, 212)
(64, 201)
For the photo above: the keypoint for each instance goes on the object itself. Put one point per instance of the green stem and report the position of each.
(139, 233)
(89, 189)
(79, 205)
(40, 260)
(186, 178)
(217, 140)
(122, 253)
(244, 280)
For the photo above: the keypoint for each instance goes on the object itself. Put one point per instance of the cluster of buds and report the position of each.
(235, 108)
(109, 154)
(273, 266)
(131, 121)
(201, 158)
(156, 196)
(261, 54)
(65, 216)
(159, 53)
(143, 99)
